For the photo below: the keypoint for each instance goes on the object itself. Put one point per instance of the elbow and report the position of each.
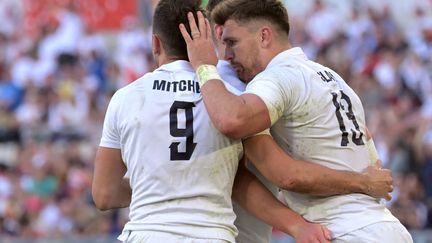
(232, 132)
(297, 184)
(287, 183)
(102, 200)
(231, 127)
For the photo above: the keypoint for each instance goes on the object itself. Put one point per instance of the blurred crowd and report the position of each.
(55, 85)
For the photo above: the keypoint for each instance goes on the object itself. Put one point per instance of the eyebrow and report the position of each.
(224, 39)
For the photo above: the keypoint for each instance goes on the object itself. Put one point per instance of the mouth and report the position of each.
(240, 72)
(237, 67)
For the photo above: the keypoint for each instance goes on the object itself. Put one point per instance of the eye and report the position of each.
(230, 43)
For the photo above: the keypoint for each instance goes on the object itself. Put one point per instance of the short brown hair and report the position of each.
(169, 14)
(246, 10)
(211, 4)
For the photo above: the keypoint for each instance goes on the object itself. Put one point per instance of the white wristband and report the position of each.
(205, 73)
(373, 154)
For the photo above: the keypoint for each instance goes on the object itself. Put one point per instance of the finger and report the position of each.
(192, 23)
(207, 23)
(185, 34)
(201, 23)
(378, 163)
(388, 197)
(326, 233)
(319, 237)
(322, 239)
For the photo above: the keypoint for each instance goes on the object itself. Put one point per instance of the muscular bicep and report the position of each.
(109, 166)
(273, 95)
(256, 116)
(234, 116)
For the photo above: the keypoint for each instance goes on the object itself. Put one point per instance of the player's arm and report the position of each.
(234, 116)
(310, 178)
(110, 189)
(253, 196)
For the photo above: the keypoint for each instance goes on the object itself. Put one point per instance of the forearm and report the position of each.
(113, 195)
(300, 176)
(224, 108)
(253, 196)
(317, 180)
(123, 194)
(234, 116)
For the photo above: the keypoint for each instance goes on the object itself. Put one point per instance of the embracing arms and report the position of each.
(305, 177)
(253, 196)
(245, 115)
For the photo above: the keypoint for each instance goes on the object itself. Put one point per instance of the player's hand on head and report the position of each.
(199, 42)
(312, 233)
(379, 183)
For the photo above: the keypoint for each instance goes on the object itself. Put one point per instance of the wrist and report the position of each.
(364, 183)
(294, 229)
(205, 73)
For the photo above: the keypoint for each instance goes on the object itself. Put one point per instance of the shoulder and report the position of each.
(277, 74)
(130, 89)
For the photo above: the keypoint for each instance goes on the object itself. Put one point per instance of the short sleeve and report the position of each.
(265, 132)
(272, 95)
(110, 133)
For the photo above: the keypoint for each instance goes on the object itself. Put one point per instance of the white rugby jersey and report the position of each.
(181, 168)
(317, 117)
(251, 229)
(229, 75)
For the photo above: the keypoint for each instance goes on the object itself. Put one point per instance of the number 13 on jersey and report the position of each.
(344, 104)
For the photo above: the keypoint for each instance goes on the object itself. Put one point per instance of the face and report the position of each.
(242, 49)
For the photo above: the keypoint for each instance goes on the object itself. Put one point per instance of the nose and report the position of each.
(229, 55)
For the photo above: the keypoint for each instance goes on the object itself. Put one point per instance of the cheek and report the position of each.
(239, 53)
(246, 51)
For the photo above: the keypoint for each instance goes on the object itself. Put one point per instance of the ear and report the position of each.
(266, 35)
(218, 31)
(156, 45)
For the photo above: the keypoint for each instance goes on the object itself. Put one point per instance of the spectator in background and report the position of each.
(134, 46)
(322, 24)
(10, 94)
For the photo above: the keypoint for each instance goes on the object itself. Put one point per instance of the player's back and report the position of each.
(181, 168)
(323, 122)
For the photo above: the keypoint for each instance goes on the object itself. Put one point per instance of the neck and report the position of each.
(164, 59)
(276, 50)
